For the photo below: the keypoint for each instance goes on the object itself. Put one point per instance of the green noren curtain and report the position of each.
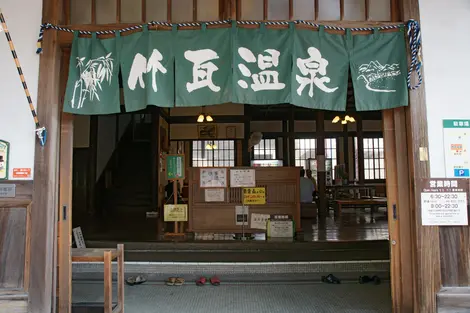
(93, 85)
(147, 67)
(186, 68)
(262, 65)
(320, 70)
(203, 66)
(379, 70)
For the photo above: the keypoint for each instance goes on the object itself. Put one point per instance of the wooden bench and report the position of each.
(106, 256)
(373, 203)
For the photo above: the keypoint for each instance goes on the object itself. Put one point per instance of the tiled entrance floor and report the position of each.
(241, 298)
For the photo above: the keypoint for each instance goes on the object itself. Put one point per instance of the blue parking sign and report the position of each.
(461, 172)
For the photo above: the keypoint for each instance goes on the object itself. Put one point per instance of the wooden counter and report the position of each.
(282, 197)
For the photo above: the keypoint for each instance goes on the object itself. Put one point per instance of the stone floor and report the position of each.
(302, 297)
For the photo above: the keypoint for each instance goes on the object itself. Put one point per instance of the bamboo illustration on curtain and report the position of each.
(93, 86)
(184, 68)
(203, 66)
(378, 70)
(320, 70)
(262, 65)
(147, 67)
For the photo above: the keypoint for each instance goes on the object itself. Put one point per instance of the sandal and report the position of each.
(131, 281)
(171, 281)
(330, 279)
(201, 281)
(215, 281)
(179, 281)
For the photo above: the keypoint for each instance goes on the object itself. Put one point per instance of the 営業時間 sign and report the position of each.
(444, 202)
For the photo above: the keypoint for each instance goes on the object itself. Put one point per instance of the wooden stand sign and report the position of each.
(176, 213)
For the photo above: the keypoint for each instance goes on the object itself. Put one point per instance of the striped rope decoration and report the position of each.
(47, 26)
(414, 39)
(40, 131)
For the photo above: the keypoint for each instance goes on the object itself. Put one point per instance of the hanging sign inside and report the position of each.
(254, 195)
(444, 202)
(175, 212)
(175, 166)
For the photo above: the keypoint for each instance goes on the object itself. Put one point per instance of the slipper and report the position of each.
(330, 279)
(201, 281)
(131, 281)
(171, 281)
(179, 281)
(215, 281)
(140, 280)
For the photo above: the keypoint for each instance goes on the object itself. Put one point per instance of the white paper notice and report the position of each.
(241, 215)
(281, 229)
(242, 178)
(258, 221)
(444, 209)
(214, 195)
(213, 177)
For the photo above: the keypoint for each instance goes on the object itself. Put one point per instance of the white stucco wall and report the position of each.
(446, 44)
(16, 123)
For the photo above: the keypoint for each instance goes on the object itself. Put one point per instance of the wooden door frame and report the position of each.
(425, 278)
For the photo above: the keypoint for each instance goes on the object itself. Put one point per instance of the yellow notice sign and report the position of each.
(175, 212)
(254, 196)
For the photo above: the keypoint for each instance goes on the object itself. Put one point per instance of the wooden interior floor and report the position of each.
(354, 225)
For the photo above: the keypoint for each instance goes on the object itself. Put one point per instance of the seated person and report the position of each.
(307, 188)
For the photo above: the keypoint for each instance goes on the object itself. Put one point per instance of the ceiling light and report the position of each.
(209, 118)
(344, 122)
(336, 120)
(209, 146)
(200, 118)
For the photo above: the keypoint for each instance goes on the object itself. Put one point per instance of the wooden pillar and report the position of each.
(346, 147)
(91, 183)
(42, 285)
(155, 154)
(285, 146)
(360, 149)
(291, 136)
(64, 238)
(320, 152)
(427, 252)
(246, 155)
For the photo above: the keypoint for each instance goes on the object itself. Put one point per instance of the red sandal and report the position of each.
(201, 281)
(215, 281)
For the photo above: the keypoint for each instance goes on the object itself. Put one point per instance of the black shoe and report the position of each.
(376, 280)
(364, 279)
(330, 279)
